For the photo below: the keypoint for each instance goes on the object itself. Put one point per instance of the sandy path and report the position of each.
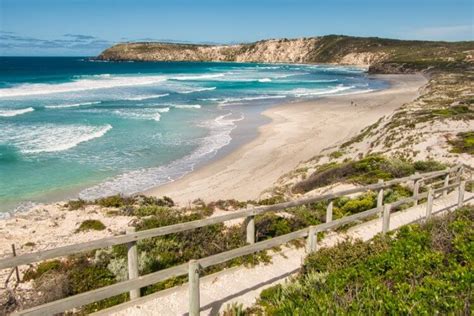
(243, 285)
(298, 131)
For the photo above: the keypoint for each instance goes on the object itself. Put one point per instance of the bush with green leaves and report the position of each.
(423, 269)
(90, 224)
(463, 143)
(73, 205)
(42, 268)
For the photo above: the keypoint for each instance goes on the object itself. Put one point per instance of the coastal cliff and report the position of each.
(380, 55)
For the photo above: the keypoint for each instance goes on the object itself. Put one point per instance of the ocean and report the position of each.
(73, 127)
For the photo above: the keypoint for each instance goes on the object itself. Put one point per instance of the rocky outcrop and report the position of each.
(300, 50)
(382, 55)
(391, 68)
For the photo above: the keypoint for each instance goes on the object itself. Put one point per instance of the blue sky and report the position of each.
(85, 27)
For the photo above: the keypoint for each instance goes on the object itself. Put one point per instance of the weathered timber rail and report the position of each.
(135, 282)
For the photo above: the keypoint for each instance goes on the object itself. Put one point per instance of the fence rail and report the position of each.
(192, 268)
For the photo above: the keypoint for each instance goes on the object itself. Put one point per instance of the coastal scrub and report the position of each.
(423, 269)
(90, 224)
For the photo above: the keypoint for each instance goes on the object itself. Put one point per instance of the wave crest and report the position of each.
(12, 112)
(72, 105)
(33, 139)
(197, 90)
(79, 85)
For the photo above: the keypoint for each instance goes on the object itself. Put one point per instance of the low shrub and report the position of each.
(463, 143)
(336, 154)
(360, 204)
(423, 269)
(115, 201)
(272, 200)
(144, 200)
(43, 268)
(90, 224)
(76, 204)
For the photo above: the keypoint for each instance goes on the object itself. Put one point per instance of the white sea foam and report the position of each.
(14, 112)
(357, 92)
(265, 80)
(33, 139)
(144, 179)
(142, 114)
(145, 97)
(199, 77)
(226, 101)
(303, 92)
(197, 90)
(187, 106)
(72, 105)
(321, 80)
(80, 85)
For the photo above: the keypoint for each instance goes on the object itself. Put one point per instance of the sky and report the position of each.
(86, 27)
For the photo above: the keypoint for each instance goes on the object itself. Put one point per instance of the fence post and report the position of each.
(446, 183)
(250, 229)
(416, 189)
(312, 240)
(459, 174)
(380, 198)
(194, 301)
(329, 212)
(462, 188)
(386, 218)
(132, 255)
(17, 273)
(429, 203)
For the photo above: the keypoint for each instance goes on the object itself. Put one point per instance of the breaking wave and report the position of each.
(141, 180)
(12, 112)
(72, 105)
(33, 139)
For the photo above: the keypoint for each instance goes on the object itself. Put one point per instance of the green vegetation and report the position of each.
(76, 204)
(90, 224)
(114, 201)
(424, 269)
(103, 267)
(42, 268)
(458, 112)
(59, 279)
(463, 143)
(336, 154)
(120, 201)
(408, 54)
(364, 171)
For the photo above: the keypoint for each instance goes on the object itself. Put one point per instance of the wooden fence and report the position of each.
(452, 179)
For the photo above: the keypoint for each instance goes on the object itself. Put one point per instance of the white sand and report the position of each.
(297, 132)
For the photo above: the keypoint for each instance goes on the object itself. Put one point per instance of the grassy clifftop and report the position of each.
(382, 55)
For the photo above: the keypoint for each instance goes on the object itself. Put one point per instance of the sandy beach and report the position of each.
(297, 132)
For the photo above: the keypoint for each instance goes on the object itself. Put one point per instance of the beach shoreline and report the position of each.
(288, 139)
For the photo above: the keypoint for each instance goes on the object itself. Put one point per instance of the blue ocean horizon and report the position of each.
(75, 127)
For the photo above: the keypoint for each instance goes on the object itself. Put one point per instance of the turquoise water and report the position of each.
(75, 127)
